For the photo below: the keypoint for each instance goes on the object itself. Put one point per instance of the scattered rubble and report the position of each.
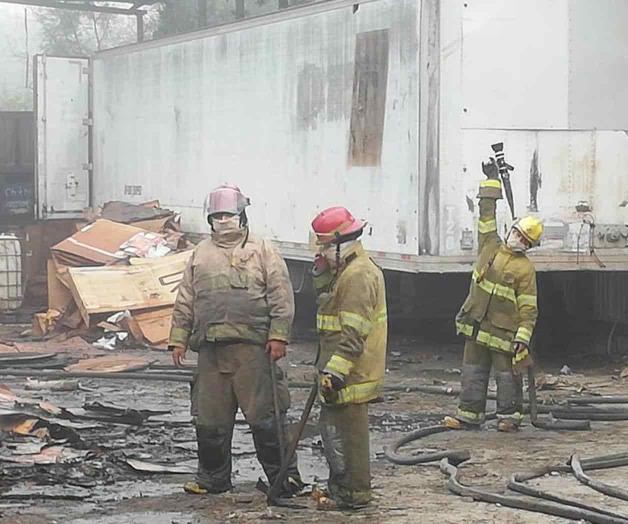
(115, 279)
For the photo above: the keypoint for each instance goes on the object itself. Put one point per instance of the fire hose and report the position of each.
(542, 502)
(546, 506)
(602, 487)
(517, 481)
(392, 451)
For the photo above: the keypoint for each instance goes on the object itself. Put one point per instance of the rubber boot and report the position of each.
(456, 423)
(214, 461)
(267, 448)
(507, 425)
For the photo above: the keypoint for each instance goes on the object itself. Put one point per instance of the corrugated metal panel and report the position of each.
(267, 107)
(611, 297)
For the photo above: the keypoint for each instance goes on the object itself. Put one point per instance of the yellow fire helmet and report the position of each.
(531, 228)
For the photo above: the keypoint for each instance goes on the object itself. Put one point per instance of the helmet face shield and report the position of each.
(225, 199)
(313, 243)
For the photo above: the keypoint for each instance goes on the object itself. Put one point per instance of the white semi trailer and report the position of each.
(384, 106)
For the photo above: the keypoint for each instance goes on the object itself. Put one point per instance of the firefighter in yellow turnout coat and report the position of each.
(352, 326)
(498, 317)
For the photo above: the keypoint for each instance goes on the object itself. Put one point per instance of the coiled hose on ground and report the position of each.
(576, 416)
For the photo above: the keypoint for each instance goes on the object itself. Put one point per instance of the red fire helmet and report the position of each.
(334, 223)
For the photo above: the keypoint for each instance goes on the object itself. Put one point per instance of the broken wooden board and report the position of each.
(131, 326)
(76, 346)
(120, 288)
(44, 323)
(111, 364)
(154, 324)
(59, 296)
(49, 455)
(5, 348)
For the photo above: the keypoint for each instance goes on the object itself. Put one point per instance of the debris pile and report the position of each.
(116, 277)
(44, 443)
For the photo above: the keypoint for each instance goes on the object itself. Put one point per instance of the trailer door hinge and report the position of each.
(88, 121)
(88, 167)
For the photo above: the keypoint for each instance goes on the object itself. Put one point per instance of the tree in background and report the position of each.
(182, 16)
(83, 32)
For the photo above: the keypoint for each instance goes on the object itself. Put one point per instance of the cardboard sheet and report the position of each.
(95, 244)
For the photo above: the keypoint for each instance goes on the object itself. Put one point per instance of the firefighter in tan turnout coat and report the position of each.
(498, 317)
(352, 327)
(235, 305)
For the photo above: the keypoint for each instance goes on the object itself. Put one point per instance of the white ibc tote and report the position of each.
(10, 273)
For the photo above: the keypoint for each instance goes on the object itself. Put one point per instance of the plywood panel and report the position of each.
(120, 288)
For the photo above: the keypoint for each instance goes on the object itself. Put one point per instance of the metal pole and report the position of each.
(278, 415)
(275, 489)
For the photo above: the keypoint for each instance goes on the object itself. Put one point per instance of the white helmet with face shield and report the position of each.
(224, 203)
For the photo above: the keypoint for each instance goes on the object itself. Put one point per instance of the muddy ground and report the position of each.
(112, 492)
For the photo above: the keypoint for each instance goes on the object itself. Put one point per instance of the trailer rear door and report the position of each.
(63, 136)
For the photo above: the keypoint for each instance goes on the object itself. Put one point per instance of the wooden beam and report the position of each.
(74, 7)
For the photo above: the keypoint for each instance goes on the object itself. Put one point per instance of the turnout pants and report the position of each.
(476, 369)
(345, 433)
(231, 376)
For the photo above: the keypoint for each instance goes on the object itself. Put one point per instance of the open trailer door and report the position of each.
(62, 117)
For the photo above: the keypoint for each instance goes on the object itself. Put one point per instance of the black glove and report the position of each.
(331, 382)
(490, 169)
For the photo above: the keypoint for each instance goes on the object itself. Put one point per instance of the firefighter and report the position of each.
(235, 306)
(352, 326)
(498, 317)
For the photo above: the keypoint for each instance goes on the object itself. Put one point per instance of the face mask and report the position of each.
(227, 225)
(515, 243)
(329, 253)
